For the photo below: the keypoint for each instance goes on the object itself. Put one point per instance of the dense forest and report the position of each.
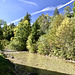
(49, 35)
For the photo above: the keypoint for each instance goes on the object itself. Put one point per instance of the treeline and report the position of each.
(49, 35)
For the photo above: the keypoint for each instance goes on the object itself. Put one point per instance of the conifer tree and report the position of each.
(33, 38)
(27, 17)
(56, 12)
(8, 31)
(21, 34)
(1, 34)
(44, 22)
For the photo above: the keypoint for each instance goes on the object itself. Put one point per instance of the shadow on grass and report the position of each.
(27, 70)
(6, 66)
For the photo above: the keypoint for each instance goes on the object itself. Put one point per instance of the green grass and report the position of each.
(6, 67)
(42, 64)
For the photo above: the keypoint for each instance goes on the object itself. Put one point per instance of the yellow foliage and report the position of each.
(26, 22)
(63, 27)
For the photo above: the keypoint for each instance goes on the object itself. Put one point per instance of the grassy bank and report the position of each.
(43, 65)
(6, 67)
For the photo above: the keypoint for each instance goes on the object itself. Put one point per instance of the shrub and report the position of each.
(43, 45)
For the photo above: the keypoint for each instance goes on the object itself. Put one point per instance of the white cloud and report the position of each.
(52, 8)
(28, 2)
(61, 6)
(15, 20)
(45, 9)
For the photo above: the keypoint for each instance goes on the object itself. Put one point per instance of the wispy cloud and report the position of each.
(15, 20)
(45, 9)
(61, 6)
(28, 2)
(52, 8)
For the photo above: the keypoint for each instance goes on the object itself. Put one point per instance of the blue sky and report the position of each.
(13, 10)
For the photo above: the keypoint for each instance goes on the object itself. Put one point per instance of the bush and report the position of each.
(5, 43)
(30, 45)
(1, 45)
(43, 45)
(62, 39)
(16, 45)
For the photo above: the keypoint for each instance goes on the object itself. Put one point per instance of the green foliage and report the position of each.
(74, 8)
(54, 26)
(1, 35)
(8, 31)
(57, 21)
(56, 12)
(66, 38)
(67, 10)
(21, 34)
(44, 22)
(33, 38)
(5, 43)
(16, 45)
(6, 67)
(48, 35)
(45, 42)
(30, 45)
(35, 32)
(62, 38)
(1, 22)
(27, 17)
(1, 45)
(43, 45)
(1, 31)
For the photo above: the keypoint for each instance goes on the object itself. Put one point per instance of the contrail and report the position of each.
(52, 8)
(15, 20)
(45, 9)
(65, 4)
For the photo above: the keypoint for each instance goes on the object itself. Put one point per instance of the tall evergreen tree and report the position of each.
(27, 17)
(21, 34)
(33, 38)
(5, 30)
(1, 34)
(12, 25)
(8, 31)
(44, 22)
(35, 32)
(56, 12)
